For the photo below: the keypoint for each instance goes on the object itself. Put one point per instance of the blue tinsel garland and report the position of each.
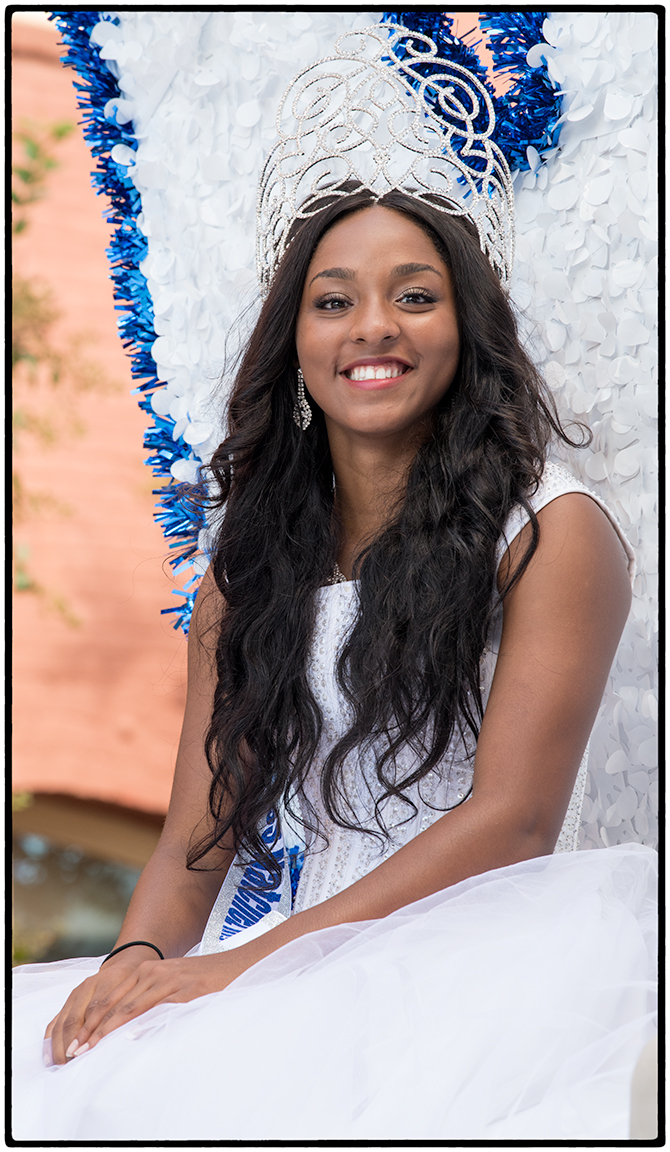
(526, 115)
(179, 510)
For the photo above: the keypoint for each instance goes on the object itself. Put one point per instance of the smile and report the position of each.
(363, 373)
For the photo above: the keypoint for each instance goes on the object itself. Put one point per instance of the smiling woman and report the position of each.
(378, 341)
(378, 344)
(379, 779)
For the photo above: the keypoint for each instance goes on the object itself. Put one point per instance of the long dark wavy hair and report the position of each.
(410, 667)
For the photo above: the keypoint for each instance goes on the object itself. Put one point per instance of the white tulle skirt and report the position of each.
(511, 1006)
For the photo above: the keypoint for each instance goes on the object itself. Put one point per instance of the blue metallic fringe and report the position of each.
(528, 113)
(179, 509)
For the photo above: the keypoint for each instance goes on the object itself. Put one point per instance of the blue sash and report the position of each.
(242, 911)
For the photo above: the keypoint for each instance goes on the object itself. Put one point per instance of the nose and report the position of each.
(373, 321)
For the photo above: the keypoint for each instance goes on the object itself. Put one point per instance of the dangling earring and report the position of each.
(302, 413)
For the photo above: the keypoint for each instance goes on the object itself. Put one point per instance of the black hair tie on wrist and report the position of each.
(131, 944)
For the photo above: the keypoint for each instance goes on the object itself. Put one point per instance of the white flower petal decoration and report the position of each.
(186, 471)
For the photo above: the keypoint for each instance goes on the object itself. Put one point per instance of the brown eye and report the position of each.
(417, 296)
(331, 303)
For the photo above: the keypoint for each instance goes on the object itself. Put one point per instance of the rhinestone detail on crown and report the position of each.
(386, 112)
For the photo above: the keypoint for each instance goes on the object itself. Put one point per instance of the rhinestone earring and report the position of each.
(302, 413)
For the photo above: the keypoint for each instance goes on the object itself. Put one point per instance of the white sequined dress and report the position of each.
(350, 855)
(511, 1006)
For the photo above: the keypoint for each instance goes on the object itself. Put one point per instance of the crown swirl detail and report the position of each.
(386, 112)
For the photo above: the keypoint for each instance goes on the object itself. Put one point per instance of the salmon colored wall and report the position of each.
(97, 708)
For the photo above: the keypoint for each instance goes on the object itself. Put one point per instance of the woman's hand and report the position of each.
(118, 994)
(91, 993)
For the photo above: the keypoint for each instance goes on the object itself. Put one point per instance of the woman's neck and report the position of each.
(370, 480)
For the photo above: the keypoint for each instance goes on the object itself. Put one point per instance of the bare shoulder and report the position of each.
(209, 603)
(575, 521)
(576, 583)
(578, 546)
(205, 625)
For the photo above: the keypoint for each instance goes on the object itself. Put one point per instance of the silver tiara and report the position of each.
(385, 112)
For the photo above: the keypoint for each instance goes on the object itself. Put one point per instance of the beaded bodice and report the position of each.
(352, 854)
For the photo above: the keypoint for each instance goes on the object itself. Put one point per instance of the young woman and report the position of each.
(401, 643)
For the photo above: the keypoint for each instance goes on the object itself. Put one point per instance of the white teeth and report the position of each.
(369, 372)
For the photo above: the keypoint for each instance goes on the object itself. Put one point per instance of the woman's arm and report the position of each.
(166, 886)
(171, 903)
(562, 623)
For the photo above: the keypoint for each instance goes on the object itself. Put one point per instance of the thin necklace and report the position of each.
(337, 575)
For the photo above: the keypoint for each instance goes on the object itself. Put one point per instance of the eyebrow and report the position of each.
(335, 274)
(399, 271)
(413, 269)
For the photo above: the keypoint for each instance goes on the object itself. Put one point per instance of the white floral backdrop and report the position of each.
(201, 89)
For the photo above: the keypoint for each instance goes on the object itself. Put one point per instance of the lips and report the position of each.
(375, 373)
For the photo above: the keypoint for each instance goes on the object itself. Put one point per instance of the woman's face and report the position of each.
(377, 333)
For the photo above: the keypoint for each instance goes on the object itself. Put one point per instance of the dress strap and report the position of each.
(556, 481)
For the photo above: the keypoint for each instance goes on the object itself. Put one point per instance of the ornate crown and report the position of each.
(386, 112)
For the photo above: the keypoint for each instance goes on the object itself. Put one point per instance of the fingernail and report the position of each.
(47, 1052)
(80, 1050)
(72, 1050)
